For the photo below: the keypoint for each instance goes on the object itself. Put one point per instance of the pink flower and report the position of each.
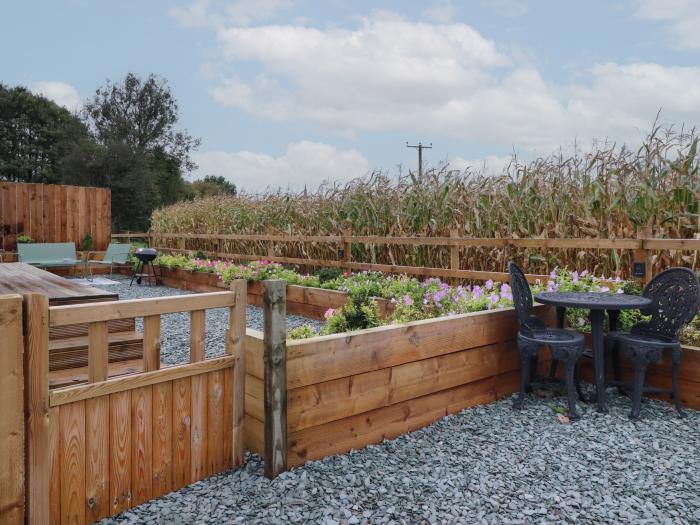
(328, 313)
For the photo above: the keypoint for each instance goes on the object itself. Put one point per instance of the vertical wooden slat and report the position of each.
(55, 455)
(120, 451)
(11, 411)
(36, 373)
(97, 352)
(275, 362)
(97, 459)
(199, 428)
(229, 445)
(151, 342)
(142, 444)
(235, 347)
(65, 220)
(30, 222)
(197, 328)
(163, 438)
(215, 422)
(182, 431)
(72, 417)
(50, 212)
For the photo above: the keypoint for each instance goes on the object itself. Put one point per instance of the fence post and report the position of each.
(12, 433)
(36, 376)
(454, 254)
(346, 246)
(643, 254)
(236, 347)
(275, 363)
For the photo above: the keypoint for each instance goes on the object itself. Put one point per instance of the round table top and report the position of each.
(593, 300)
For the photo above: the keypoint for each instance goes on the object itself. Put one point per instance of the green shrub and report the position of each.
(328, 274)
(304, 331)
(25, 239)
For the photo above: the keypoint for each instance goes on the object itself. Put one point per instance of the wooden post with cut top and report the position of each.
(11, 411)
(38, 419)
(275, 363)
(644, 255)
(235, 347)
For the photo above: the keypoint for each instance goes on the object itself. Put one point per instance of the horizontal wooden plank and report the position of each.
(391, 421)
(90, 313)
(672, 244)
(326, 358)
(470, 242)
(62, 396)
(254, 348)
(331, 400)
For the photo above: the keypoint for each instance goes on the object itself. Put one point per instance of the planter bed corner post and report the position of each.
(275, 363)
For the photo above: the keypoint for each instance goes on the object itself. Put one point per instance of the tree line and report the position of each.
(124, 138)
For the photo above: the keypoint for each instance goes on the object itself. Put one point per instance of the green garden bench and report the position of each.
(116, 253)
(48, 255)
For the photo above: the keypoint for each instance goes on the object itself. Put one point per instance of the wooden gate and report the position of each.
(99, 448)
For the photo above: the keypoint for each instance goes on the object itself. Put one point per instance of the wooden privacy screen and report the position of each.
(52, 213)
(99, 448)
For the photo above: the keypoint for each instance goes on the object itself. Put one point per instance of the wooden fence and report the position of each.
(54, 213)
(644, 248)
(98, 448)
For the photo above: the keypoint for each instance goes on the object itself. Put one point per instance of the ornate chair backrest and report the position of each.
(522, 296)
(675, 297)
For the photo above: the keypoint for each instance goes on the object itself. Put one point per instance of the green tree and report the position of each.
(134, 123)
(213, 185)
(35, 135)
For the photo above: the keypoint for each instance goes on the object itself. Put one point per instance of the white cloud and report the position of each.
(682, 17)
(444, 79)
(489, 165)
(304, 163)
(61, 93)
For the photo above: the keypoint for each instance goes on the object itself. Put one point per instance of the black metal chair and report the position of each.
(565, 345)
(675, 298)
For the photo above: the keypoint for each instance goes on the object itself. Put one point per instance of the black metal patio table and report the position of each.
(598, 303)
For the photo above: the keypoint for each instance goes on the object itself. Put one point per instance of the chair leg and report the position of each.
(553, 369)
(524, 378)
(676, 358)
(533, 368)
(577, 379)
(570, 373)
(640, 372)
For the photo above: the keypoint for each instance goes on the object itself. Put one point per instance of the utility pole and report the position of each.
(420, 147)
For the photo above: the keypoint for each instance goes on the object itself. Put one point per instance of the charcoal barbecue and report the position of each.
(145, 257)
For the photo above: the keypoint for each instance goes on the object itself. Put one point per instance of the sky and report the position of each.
(289, 93)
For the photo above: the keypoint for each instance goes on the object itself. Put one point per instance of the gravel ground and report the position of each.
(175, 328)
(488, 464)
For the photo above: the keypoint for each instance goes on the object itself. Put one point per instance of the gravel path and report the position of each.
(175, 328)
(488, 464)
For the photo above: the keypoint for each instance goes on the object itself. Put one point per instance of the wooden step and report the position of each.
(71, 352)
(75, 376)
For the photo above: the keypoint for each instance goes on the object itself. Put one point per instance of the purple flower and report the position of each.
(489, 284)
(407, 300)
(574, 278)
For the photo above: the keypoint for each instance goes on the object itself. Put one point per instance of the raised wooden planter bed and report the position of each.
(350, 390)
(301, 300)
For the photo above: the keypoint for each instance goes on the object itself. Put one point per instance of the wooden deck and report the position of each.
(22, 278)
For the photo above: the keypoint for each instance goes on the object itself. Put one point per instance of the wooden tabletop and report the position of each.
(24, 278)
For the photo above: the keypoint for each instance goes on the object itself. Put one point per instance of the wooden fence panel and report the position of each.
(114, 443)
(54, 213)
